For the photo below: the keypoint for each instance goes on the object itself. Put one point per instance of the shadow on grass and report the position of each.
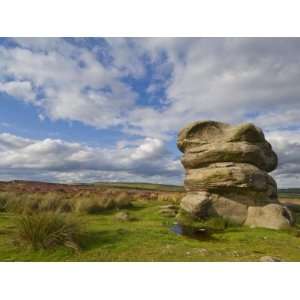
(112, 211)
(197, 234)
(96, 239)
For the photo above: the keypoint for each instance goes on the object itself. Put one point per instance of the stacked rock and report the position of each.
(227, 174)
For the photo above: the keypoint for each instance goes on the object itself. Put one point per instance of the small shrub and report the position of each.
(122, 200)
(28, 204)
(49, 230)
(55, 203)
(14, 203)
(6, 199)
(3, 203)
(93, 205)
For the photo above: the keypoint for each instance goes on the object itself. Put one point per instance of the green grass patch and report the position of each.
(148, 237)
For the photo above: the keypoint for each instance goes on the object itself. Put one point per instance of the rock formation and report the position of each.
(227, 174)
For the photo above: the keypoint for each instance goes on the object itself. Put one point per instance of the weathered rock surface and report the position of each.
(228, 209)
(227, 171)
(196, 204)
(225, 176)
(273, 216)
(230, 152)
(209, 142)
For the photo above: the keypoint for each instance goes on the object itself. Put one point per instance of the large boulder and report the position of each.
(227, 175)
(273, 216)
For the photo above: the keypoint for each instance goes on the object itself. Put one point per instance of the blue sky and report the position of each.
(89, 109)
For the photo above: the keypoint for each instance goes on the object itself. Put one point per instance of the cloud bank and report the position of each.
(58, 160)
(148, 88)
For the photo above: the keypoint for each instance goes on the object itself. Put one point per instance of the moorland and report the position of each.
(126, 222)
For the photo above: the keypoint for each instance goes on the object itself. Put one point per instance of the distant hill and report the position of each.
(34, 186)
(290, 192)
(142, 186)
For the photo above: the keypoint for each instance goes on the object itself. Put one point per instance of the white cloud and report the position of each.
(226, 79)
(71, 82)
(9, 141)
(286, 143)
(64, 160)
(229, 80)
(19, 89)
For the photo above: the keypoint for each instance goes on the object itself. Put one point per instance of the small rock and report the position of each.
(269, 259)
(167, 212)
(202, 251)
(169, 206)
(122, 216)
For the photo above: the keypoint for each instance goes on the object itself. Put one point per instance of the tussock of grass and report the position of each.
(49, 230)
(122, 200)
(93, 205)
(3, 203)
(53, 202)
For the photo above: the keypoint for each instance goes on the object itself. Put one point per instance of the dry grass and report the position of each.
(170, 197)
(3, 202)
(26, 203)
(76, 200)
(97, 204)
(122, 200)
(93, 205)
(61, 202)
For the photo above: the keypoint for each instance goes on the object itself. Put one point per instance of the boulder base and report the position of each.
(196, 204)
(273, 216)
(204, 205)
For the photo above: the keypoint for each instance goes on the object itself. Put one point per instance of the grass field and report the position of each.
(148, 237)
